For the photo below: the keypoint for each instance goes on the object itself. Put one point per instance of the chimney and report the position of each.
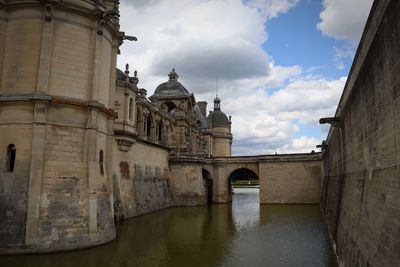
(203, 107)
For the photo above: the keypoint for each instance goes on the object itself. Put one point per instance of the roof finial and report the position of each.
(127, 69)
(217, 101)
(216, 87)
(173, 76)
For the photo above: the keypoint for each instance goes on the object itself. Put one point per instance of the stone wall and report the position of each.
(291, 180)
(360, 197)
(141, 179)
(14, 187)
(187, 184)
(54, 108)
(284, 178)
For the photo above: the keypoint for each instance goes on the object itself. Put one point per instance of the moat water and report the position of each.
(242, 233)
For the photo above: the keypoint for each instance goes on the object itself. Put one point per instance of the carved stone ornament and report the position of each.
(124, 144)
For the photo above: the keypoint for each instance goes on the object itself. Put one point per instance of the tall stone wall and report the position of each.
(141, 179)
(360, 196)
(187, 183)
(14, 187)
(284, 178)
(291, 180)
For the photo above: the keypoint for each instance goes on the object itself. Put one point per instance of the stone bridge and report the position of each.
(284, 178)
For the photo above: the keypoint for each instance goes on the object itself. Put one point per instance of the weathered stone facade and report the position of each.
(57, 63)
(360, 196)
(283, 178)
(81, 145)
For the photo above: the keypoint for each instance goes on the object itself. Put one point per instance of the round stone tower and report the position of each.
(220, 131)
(57, 78)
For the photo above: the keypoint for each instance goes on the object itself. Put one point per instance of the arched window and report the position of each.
(101, 162)
(159, 131)
(170, 106)
(199, 124)
(10, 161)
(148, 126)
(131, 109)
(138, 120)
(144, 125)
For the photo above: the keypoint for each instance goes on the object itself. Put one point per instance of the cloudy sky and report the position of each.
(280, 64)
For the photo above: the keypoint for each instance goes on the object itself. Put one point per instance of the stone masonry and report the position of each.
(360, 195)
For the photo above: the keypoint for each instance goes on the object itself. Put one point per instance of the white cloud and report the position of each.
(345, 51)
(209, 40)
(272, 8)
(266, 123)
(344, 19)
(201, 39)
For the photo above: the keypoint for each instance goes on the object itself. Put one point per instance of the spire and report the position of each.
(173, 76)
(217, 102)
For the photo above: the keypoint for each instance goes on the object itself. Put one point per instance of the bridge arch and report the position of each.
(208, 185)
(242, 177)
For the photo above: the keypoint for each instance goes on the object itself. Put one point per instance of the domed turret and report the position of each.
(221, 131)
(172, 88)
(218, 118)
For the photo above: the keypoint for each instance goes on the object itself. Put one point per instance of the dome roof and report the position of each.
(219, 119)
(120, 75)
(171, 88)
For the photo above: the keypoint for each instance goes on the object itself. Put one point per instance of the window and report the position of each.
(10, 161)
(101, 162)
(130, 109)
(138, 120)
(148, 124)
(144, 125)
(159, 132)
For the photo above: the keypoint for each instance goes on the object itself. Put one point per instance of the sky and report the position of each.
(279, 65)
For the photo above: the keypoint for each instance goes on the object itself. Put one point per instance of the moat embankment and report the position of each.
(241, 233)
(360, 196)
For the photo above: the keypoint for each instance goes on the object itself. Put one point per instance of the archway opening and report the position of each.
(208, 185)
(243, 180)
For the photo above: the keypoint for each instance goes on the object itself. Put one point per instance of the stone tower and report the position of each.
(220, 130)
(57, 78)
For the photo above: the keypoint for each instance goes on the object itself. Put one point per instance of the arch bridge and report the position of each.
(283, 178)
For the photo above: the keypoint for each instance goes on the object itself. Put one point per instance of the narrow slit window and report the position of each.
(101, 162)
(11, 154)
(130, 109)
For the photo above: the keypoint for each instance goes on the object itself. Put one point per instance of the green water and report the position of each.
(239, 234)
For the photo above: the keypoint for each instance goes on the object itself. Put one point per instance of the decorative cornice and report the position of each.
(56, 100)
(124, 143)
(107, 19)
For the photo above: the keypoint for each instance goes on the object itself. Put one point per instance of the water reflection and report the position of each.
(245, 208)
(239, 234)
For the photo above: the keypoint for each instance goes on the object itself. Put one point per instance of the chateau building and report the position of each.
(80, 142)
